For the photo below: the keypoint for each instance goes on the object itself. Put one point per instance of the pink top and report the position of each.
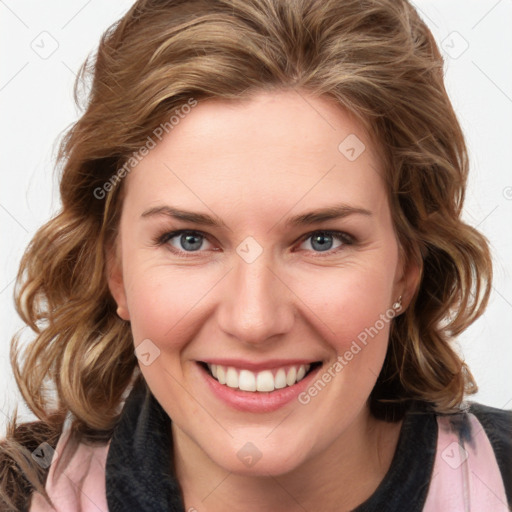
(463, 479)
(76, 480)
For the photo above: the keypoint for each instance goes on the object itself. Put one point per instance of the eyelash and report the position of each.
(341, 236)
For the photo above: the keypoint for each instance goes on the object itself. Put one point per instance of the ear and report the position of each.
(410, 271)
(115, 280)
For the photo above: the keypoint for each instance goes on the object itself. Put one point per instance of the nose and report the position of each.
(256, 305)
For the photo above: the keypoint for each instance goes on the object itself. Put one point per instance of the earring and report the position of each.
(397, 306)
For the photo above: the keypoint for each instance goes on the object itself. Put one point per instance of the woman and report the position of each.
(249, 297)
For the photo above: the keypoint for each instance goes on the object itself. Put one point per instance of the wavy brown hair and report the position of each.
(375, 58)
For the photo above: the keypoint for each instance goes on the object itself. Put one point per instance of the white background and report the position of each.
(37, 106)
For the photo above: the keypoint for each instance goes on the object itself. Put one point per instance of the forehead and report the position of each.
(287, 147)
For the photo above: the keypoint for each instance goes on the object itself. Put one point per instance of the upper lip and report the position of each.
(261, 365)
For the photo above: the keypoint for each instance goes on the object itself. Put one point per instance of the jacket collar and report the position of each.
(140, 474)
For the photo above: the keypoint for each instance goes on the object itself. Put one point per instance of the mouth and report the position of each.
(263, 381)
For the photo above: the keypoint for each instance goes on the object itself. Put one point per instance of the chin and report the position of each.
(259, 457)
(271, 463)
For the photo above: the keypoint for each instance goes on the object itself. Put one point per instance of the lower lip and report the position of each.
(249, 401)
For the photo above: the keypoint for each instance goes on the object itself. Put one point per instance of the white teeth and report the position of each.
(221, 374)
(232, 378)
(280, 379)
(291, 376)
(247, 381)
(264, 381)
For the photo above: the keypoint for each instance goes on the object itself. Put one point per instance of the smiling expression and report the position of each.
(253, 250)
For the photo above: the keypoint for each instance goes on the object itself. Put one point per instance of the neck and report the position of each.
(339, 478)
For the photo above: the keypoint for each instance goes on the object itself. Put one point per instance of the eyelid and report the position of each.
(342, 236)
(168, 235)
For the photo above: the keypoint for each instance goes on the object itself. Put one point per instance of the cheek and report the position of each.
(348, 300)
(353, 313)
(163, 300)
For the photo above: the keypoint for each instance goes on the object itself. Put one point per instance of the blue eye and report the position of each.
(322, 241)
(187, 242)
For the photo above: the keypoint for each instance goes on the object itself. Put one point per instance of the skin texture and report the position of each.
(254, 164)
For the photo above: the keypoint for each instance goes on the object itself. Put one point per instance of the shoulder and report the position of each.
(473, 460)
(497, 424)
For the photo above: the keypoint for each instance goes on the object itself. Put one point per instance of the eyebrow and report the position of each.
(337, 211)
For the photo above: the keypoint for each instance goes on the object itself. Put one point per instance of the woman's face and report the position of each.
(287, 261)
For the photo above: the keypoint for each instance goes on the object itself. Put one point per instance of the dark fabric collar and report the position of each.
(405, 486)
(140, 475)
